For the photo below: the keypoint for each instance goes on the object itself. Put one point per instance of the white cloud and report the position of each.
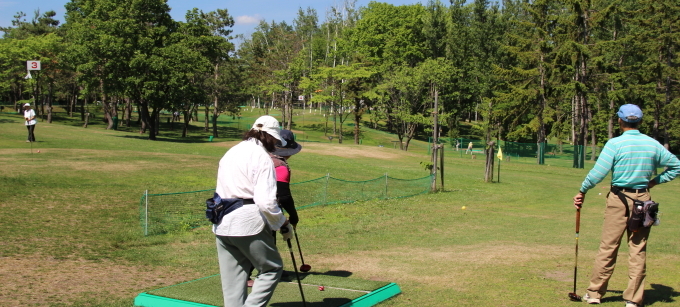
(248, 20)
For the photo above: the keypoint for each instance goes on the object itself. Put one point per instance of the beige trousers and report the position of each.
(615, 226)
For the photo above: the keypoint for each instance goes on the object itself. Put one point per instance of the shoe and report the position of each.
(631, 304)
(250, 283)
(28, 141)
(590, 300)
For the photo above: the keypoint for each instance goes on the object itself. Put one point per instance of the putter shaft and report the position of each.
(292, 257)
(298, 244)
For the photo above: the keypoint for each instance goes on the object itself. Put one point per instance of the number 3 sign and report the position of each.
(33, 65)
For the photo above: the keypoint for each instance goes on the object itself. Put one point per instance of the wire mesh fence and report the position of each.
(559, 154)
(176, 212)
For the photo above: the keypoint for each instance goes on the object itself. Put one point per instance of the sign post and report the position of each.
(34, 65)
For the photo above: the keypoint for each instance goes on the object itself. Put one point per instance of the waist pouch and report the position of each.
(217, 207)
(644, 212)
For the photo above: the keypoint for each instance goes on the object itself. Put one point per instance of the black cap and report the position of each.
(291, 147)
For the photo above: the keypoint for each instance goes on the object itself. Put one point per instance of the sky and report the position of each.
(246, 13)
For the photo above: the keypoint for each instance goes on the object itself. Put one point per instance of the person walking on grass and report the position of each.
(244, 236)
(632, 158)
(469, 149)
(29, 116)
(280, 159)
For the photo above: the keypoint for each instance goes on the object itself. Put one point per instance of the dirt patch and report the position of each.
(355, 151)
(37, 280)
(451, 266)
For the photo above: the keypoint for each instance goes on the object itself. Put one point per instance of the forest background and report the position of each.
(516, 70)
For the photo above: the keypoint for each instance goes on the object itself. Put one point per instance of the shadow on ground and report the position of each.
(658, 293)
(290, 275)
(333, 301)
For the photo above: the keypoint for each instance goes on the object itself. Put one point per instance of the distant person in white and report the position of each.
(244, 236)
(29, 116)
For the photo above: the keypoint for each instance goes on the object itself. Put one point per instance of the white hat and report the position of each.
(270, 125)
(27, 105)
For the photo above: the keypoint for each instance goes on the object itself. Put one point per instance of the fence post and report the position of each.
(325, 190)
(146, 212)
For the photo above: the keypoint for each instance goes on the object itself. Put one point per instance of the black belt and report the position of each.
(248, 202)
(629, 190)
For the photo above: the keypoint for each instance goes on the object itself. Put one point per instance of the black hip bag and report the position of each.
(644, 212)
(217, 207)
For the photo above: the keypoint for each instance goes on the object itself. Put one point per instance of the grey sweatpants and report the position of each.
(237, 255)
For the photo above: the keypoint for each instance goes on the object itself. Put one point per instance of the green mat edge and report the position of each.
(370, 299)
(375, 297)
(149, 300)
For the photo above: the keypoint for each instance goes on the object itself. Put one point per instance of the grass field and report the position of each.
(70, 232)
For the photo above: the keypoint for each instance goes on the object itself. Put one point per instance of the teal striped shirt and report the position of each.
(632, 158)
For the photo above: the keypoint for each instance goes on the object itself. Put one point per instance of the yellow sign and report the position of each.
(500, 153)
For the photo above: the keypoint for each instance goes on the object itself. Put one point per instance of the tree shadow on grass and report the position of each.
(658, 293)
(8, 121)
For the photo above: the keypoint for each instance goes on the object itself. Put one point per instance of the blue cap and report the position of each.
(630, 113)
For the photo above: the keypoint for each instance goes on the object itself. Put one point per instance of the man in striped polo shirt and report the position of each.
(632, 159)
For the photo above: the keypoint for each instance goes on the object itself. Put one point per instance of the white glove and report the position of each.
(287, 232)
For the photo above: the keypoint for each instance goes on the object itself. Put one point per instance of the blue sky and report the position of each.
(247, 13)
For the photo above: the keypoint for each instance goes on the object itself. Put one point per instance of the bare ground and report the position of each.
(43, 280)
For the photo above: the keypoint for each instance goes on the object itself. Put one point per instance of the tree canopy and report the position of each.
(520, 70)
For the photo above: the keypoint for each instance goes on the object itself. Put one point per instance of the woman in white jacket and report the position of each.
(244, 236)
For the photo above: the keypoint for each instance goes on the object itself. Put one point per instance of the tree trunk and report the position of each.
(86, 119)
(206, 121)
(73, 101)
(49, 102)
(489, 151)
(357, 119)
(128, 112)
(82, 108)
(148, 120)
(110, 109)
(216, 113)
(187, 116)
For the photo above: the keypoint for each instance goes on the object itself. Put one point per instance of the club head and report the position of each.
(305, 268)
(575, 297)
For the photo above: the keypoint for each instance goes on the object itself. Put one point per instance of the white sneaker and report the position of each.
(631, 304)
(590, 300)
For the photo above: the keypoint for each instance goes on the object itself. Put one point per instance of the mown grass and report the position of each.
(76, 203)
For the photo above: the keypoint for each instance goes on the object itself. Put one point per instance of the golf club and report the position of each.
(573, 296)
(292, 257)
(304, 267)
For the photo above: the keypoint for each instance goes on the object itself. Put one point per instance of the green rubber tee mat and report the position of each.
(337, 291)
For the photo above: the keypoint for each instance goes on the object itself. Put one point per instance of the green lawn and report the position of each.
(70, 232)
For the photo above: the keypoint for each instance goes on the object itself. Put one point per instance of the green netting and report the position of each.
(525, 152)
(175, 212)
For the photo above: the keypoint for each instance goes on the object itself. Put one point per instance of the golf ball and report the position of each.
(321, 288)
(599, 194)
(463, 207)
